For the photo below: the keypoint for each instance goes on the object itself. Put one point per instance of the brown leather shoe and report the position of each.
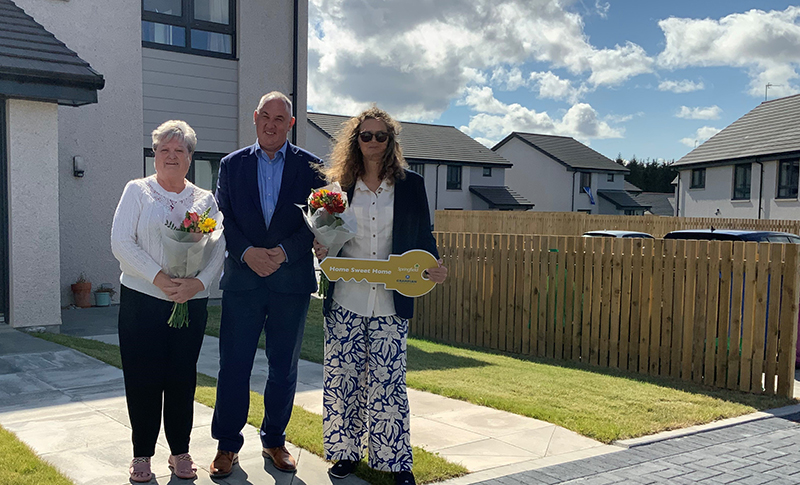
(222, 466)
(281, 458)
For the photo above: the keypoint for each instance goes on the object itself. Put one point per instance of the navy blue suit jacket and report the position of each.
(240, 202)
(411, 229)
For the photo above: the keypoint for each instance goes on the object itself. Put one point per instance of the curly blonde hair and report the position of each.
(347, 162)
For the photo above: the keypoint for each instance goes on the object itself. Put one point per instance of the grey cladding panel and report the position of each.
(203, 91)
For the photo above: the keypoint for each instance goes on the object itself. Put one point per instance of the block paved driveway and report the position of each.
(763, 451)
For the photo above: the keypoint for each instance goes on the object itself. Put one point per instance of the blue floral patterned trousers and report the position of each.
(365, 404)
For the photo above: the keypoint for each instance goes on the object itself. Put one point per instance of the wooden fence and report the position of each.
(720, 313)
(576, 223)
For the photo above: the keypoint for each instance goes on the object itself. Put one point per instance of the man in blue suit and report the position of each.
(266, 282)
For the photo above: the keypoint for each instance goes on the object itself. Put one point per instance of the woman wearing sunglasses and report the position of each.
(364, 395)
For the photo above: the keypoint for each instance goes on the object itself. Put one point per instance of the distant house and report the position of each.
(661, 204)
(750, 169)
(560, 174)
(459, 172)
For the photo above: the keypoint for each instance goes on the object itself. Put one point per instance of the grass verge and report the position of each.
(21, 466)
(304, 429)
(603, 404)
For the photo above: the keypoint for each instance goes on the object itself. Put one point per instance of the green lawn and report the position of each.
(304, 430)
(21, 466)
(603, 404)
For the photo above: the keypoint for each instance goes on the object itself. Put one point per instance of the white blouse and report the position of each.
(375, 215)
(144, 207)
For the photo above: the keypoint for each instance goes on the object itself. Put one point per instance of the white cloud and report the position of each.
(765, 43)
(612, 118)
(613, 66)
(551, 86)
(415, 56)
(684, 86)
(699, 113)
(701, 135)
(508, 79)
(496, 119)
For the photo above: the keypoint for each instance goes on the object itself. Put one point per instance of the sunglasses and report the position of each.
(380, 136)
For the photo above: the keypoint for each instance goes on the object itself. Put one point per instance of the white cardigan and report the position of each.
(144, 207)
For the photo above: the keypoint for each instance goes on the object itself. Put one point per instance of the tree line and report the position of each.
(650, 175)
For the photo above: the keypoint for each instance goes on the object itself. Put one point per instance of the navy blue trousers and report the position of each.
(245, 314)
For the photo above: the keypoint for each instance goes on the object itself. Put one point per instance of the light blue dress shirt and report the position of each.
(270, 175)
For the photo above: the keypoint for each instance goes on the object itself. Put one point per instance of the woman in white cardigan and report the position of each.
(159, 361)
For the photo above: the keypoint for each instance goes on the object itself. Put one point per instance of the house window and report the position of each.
(610, 177)
(417, 167)
(454, 177)
(741, 181)
(787, 179)
(698, 178)
(202, 172)
(203, 27)
(586, 181)
(487, 171)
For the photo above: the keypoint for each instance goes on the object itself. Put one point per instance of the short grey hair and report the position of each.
(275, 95)
(175, 129)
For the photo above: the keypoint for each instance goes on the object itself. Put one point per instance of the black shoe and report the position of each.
(404, 478)
(342, 468)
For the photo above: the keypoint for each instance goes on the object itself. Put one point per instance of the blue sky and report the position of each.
(630, 77)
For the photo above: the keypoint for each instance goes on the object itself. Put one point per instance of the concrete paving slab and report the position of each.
(52, 434)
(15, 342)
(536, 441)
(309, 399)
(425, 403)
(484, 454)
(487, 421)
(565, 441)
(86, 375)
(434, 435)
(12, 385)
(33, 401)
(310, 373)
(54, 407)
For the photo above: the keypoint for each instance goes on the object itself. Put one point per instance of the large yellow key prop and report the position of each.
(402, 273)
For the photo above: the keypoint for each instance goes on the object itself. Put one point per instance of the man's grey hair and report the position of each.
(175, 129)
(276, 95)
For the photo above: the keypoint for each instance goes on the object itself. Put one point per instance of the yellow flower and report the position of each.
(208, 225)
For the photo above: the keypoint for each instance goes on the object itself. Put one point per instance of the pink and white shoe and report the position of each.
(182, 466)
(140, 470)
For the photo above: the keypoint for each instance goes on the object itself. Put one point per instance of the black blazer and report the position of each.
(411, 229)
(240, 202)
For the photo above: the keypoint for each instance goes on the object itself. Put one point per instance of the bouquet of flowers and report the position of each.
(187, 247)
(330, 219)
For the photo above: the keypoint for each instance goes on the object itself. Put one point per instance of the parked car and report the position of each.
(616, 233)
(734, 235)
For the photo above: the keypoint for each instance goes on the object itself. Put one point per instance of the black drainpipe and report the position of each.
(436, 193)
(678, 196)
(573, 191)
(760, 186)
(294, 65)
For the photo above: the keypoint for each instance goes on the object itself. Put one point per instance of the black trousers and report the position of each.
(159, 363)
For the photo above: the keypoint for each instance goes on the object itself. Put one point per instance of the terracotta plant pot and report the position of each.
(82, 293)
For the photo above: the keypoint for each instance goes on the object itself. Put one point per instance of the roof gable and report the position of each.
(425, 142)
(568, 151)
(35, 64)
(771, 128)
